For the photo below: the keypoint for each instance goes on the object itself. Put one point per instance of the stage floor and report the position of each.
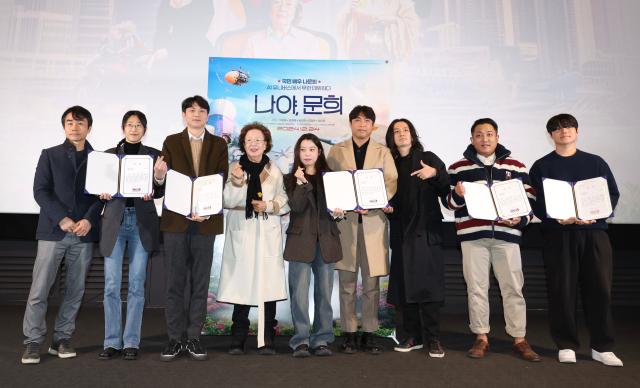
(391, 369)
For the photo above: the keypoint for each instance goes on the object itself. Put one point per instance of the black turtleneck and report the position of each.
(131, 149)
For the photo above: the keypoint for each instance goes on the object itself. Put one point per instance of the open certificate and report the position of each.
(352, 190)
(187, 196)
(119, 175)
(505, 200)
(586, 200)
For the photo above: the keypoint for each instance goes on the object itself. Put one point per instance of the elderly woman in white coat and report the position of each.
(252, 272)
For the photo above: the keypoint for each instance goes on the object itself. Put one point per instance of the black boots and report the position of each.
(350, 344)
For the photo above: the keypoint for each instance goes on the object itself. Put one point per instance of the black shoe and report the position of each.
(435, 349)
(301, 351)
(31, 353)
(130, 354)
(108, 353)
(171, 351)
(196, 350)
(322, 351)
(237, 346)
(409, 345)
(267, 350)
(62, 349)
(349, 346)
(369, 345)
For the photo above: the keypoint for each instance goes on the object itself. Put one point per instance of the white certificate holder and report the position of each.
(181, 194)
(559, 201)
(479, 201)
(592, 197)
(339, 190)
(207, 195)
(139, 183)
(371, 190)
(102, 173)
(510, 199)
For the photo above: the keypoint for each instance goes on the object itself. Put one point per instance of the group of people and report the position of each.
(577, 253)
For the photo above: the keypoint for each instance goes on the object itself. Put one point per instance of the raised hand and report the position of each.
(300, 175)
(237, 174)
(425, 172)
(160, 168)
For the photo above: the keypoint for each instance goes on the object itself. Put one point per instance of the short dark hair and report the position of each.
(485, 120)
(78, 113)
(367, 111)
(415, 140)
(198, 100)
(563, 120)
(260, 127)
(141, 116)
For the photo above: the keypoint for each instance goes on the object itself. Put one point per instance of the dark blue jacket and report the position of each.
(58, 188)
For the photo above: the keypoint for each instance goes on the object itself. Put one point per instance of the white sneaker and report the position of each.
(607, 358)
(567, 356)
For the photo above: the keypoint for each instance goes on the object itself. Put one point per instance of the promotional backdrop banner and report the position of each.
(290, 97)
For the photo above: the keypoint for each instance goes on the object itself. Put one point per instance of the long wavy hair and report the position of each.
(415, 140)
(320, 165)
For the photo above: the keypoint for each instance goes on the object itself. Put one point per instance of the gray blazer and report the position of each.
(148, 223)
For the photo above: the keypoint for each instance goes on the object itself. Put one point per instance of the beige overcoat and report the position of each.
(375, 223)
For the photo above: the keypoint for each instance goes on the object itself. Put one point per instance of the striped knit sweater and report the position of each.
(471, 169)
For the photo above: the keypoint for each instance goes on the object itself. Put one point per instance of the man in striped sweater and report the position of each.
(487, 244)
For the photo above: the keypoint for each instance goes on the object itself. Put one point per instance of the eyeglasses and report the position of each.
(254, 141)
(136, 126)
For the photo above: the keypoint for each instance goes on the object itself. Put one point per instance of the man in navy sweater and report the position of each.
(67, 228)
(577, 253)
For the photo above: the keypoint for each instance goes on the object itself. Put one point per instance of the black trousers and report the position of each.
(420, 321)
(187, 264)
(240, 326)
(579, 261)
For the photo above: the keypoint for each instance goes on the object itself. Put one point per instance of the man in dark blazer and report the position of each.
(67, 228)
(188, 241)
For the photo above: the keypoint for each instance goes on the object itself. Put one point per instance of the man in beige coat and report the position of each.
(364, 234)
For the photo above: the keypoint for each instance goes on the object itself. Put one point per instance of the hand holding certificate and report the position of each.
(201, 196)
(119, 175)
(501, 200)
(585, 200)
(355, 190)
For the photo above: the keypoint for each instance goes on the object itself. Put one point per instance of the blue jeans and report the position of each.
(129, 236)
(77, 257)
(299, 279)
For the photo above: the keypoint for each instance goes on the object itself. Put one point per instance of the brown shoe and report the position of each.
(478, 349)
(525, 352)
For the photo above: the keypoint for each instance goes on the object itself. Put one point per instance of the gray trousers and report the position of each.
(77, 255)
(348, 285)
